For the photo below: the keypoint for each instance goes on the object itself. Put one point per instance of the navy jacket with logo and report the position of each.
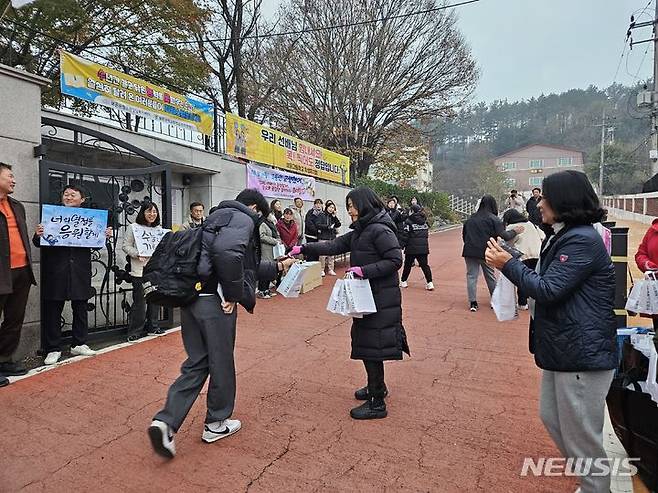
(574, 326)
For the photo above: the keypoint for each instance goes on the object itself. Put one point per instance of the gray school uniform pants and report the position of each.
(209, 339)
(572, 407)
(473, 266)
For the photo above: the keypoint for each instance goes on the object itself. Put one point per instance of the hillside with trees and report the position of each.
(464, 146)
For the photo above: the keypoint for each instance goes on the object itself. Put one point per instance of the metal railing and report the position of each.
(148, 126)
(462, 206)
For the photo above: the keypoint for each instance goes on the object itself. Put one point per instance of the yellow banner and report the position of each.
(249, 140)
(102, 85)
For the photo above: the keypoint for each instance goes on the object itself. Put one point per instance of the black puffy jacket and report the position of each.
(397, 216)
(414, 237)
(574, 327)
(311, 225)
(327, 225)
(374, 247)
(230, 254)
(478, 229)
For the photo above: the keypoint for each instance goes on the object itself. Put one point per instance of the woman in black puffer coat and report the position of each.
(376, 256)
(414, 238)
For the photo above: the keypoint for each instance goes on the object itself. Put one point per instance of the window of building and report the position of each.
(565, 161)
(509, 165)
(510, 182)
(536, 181)
(536, 163)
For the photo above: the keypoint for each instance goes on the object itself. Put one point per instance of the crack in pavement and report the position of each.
(291, 437)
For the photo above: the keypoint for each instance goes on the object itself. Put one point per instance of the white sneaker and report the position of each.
(322, 274)
(162, 439)
(52, 358)
(523, 308)
(332, 273)
(404, 284)
(82, 350)
(220, 429)
(430, 286)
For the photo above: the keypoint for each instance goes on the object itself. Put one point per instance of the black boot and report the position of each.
(373, 408)
(362, 394)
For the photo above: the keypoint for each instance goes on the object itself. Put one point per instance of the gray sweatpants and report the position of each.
(473, 266)
(209, 340)
(572, 408)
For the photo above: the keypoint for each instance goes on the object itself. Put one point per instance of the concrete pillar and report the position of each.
(20, 132)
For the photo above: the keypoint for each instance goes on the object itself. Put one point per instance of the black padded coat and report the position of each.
(374, 247)
(230, 254)
(414, 236)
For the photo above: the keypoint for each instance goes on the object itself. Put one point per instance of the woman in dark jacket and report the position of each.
(572, 326)
(481, 226)
(66, 274)
(415, 241)
(376, 256)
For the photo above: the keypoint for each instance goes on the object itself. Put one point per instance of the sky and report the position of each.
(525, 48)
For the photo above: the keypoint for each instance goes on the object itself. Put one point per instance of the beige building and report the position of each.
(527, 166)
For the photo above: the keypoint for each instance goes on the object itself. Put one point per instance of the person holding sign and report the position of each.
(376, 256)
(139, 243)
(66, 274)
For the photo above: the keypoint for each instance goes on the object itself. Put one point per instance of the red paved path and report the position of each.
(462, 410)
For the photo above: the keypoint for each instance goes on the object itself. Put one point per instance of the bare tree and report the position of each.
(228, 43)
(351, 88)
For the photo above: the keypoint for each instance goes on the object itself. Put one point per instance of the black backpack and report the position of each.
(170, 277)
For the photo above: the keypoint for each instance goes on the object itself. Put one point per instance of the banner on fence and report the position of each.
(147, 239)
(279, 184)
(73, 226)
(255, 142)
(105, 86)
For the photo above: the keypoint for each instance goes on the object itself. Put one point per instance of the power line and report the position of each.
(79, 49)
(300, 31)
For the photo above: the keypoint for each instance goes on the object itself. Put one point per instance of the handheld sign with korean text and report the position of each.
(73, 226)
(146, 238)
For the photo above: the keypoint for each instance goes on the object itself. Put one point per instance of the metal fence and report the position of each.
(150, 126)
(462, 206)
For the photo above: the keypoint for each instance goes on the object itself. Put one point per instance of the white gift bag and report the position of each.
(643, 298)
(503, 300)
(279, 250)
(292, 282)
(359, 296)
(635, 297)
(351, 297)
(337, 298)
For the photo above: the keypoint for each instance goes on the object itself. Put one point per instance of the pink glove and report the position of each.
(357, 271)
(296, 250)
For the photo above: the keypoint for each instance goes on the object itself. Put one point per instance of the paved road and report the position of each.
(462, 410)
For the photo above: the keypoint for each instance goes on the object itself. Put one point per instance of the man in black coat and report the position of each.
(16, 275)
(532, 207)
(229, 267)
(66, 274)
(311, 226)
(415, 241)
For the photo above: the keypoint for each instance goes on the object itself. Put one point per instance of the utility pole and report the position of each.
(601, 164)
(653, 151)
(649, 99)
